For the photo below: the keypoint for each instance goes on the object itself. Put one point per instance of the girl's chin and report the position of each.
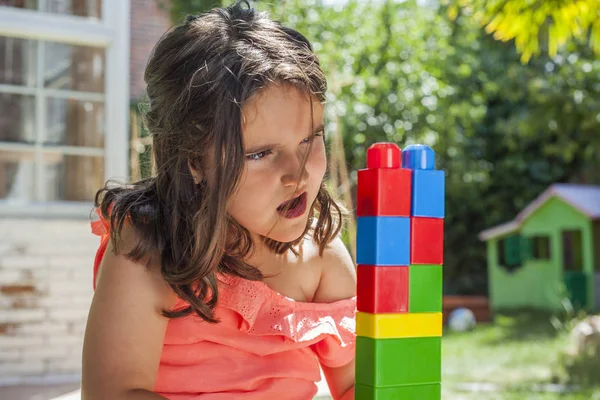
(284, 238)
(286, 235)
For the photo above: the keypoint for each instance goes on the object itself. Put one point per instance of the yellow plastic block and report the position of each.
(386, 326)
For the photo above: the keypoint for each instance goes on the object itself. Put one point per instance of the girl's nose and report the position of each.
(295, 174)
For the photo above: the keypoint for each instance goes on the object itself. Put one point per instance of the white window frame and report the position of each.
(112, 32)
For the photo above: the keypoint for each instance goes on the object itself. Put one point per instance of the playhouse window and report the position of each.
(572, 250)
(540, 247)
(500, 252)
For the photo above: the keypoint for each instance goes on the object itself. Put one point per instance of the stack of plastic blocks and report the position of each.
(400, 241)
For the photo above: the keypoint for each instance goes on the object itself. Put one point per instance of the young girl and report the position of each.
(223, 277)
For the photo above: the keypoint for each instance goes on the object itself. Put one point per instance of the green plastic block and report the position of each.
(409, 392)
(425, 288)
(395, 362)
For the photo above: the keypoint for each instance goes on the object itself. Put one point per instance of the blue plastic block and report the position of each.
(383, 241)
(418, 156)
(428, 193)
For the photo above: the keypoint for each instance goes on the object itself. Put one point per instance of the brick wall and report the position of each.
(148, 24)
(45, 294)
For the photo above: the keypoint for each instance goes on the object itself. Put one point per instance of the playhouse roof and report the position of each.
(585, 198)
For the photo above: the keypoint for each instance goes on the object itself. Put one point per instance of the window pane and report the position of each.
(541, 247)
(16, 175)
(17, 118)
(18, 61)
(72, 178)
(75, 123)
(73, 67)
(28, 4)
(66, 66)
(500, 253)
(82, 8)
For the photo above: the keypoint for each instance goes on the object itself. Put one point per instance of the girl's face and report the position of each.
(278, 132)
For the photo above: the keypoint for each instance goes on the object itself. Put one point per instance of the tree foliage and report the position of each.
(502, 130)
(536, 25)
(178, 9)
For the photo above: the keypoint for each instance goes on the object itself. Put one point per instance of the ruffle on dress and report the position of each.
(329, 327)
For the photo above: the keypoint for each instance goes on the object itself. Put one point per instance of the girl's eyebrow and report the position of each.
(319, 128)
(266, 146)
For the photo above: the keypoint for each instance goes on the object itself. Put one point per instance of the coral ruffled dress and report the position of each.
(266, 347)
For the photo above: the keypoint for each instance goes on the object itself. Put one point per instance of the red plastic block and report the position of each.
(384, 155)
(382, 289)
(426, 240)
(384, 192)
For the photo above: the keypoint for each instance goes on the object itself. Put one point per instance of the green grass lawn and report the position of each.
(512, 359)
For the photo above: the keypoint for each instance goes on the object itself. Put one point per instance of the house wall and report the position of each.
(45, 293)
(539, 283)
(596, 251)
(46, 263)
(523, 287)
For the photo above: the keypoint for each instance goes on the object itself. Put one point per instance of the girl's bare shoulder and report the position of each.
(146, 272)
(125, 327)
(338, 273)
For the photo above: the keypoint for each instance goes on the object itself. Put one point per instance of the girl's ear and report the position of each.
(195, 172)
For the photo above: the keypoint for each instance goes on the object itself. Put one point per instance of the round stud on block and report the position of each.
(418, 156)
(384, 155)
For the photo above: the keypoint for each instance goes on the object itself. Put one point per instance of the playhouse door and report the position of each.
(597, 290)
(574, 276)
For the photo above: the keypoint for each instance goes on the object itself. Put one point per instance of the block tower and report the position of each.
(400, 242)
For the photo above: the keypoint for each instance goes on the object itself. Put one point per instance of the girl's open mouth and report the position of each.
(293, 208)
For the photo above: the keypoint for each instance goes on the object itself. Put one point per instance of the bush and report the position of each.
(580, 363)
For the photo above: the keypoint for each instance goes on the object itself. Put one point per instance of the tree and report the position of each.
(502, 130)
(535, 24)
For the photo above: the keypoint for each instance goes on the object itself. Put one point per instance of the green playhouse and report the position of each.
(550, 251)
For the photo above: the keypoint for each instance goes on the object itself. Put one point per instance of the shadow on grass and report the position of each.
(522, 326)
(543, 391)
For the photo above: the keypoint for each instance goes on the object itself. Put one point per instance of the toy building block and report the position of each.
(416, 392)
(384, 187)
(383, 241)
(427, 240)
(427, 183)
(398, 362)
(399, 290)
(393, 326)
(425, 289)
(383, 289)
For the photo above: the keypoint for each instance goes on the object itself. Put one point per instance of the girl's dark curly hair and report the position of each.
(198, 77)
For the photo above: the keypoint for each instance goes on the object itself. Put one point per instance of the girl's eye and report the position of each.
(258, 156)
(317, 134)
(262, 154)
